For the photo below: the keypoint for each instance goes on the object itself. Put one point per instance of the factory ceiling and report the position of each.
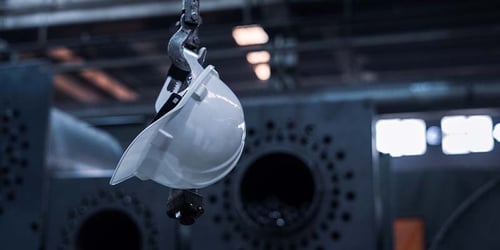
(111, 52)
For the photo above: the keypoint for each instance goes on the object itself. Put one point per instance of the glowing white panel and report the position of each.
(263, 71)
(480, 133)
(414, 132)
(250, 35)
(496, 132)
(454, 124)
(455, 144)
(258, 57)
(401, 137)
(385, 138)
(463, 135)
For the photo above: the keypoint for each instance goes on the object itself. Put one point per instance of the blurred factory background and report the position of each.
(370, 124)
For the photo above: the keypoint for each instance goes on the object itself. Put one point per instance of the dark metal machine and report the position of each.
(455, 196)
(85, 213)
(54, 178)
(24, 109)
(305, 181)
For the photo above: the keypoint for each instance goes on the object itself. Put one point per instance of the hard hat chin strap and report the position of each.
(170, 104)
(178, 81)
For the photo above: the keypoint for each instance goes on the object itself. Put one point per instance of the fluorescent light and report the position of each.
(95, 76)
(250, 35)
(456, 144)
(454, 124)
(63, 54)
(258, 57)
(463, 135)
(73, 88)
(496, 132)
(384, 142)
(263, 71)
(401, 137)
(108, 83)
(414, 133)
(480, 134)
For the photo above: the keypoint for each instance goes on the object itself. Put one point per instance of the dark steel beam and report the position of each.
(117, 11)
(308, 46)
(388, 98)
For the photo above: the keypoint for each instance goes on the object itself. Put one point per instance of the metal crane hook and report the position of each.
(187, 35)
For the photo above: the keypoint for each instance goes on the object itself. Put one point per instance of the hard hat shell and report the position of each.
(195, 144)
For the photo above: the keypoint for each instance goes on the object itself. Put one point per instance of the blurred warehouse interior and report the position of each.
(370, 124)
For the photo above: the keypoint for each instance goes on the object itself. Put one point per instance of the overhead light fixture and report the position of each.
(97, 77)
(401, 137)
(250, 35)
(71, 87)
(63, 54)
(481, 134)
(109, 84)
(255, 35)
(258, 57)
(263, 71)
(464, 135)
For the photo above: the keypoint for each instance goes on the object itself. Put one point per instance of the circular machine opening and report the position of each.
(277, 191)
(109, 229)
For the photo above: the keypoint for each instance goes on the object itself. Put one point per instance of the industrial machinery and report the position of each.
(454, 195)
(305, 180)
(198, 133)
(302, 169)
(84, 212)
(24, 109)
(54, 178)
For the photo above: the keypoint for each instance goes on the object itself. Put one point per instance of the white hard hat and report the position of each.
(196, 143)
